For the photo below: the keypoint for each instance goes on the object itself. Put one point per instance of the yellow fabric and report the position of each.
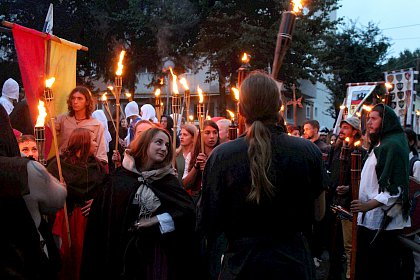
(63, 68)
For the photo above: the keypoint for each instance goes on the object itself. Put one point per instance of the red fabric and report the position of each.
(71, 257)
(30, 48)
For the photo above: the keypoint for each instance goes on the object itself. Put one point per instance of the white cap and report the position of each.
(11, 89)
(131, 109)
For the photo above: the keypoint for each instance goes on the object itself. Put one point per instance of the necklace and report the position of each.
(79, 120)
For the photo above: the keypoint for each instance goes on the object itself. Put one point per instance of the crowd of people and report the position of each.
(202, 206)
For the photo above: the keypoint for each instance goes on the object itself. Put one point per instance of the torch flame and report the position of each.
(128, 95)
(120, 65)
(103, 98)
(200, 94)
(184, 83)
(282, 108)
(342, 107)
(49, 82)
(297, 6)
(236, 93)
(191, 117)
(157, 92)
(174, 81)
(161, 81)
(367, 108)
(417, 112)
(245, 58)
(208, 117)
(42, 114)
(388, 86)
(111, 88)
(232, 115)
(347, 139)
(357, 143)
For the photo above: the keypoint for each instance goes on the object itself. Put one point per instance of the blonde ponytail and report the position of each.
(259, 154)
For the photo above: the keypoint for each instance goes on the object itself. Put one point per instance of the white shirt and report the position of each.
(187, 164)
(369, 189)
(416, 167)
(5, 102)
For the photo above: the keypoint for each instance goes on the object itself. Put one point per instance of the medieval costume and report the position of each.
(26, 191)
(384, 178)
(115, 248)
(65, 125)
(83, 182)
(265, 241)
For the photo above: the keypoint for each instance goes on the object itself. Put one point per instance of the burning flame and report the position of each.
(157, 92)
(191, 117)
(42, 114)
(111, 88)
(357, 143)
(342, 107)
(297, 6)
(120, 65)
(417, 112)
(184, 84)
(103, 98)
(367, 108)
(358, 114)
(208, 117)
(388, 86)
(128, 95)
(282, 108)
(161, 81)
(49, 82)
(245, 58)
(200, 94)
(232, 115)
(347, 139)
(174, 82)
(236, 93)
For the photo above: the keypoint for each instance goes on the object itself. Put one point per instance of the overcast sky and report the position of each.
(398, 20)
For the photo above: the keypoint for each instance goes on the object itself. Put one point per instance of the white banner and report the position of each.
(402, 94)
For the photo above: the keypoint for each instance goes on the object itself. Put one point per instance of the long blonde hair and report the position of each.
(259, 104)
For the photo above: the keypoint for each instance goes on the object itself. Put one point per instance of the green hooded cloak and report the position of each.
(392, 168)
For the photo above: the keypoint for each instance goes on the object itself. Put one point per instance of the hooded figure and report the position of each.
(383, 198)
(131, 113)
(9, 93)
(100, 116)
(148, 113)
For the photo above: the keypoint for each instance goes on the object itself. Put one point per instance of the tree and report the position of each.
(230, 27)
(353, 55)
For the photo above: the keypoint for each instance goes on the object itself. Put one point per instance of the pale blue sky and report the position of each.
(398, 20)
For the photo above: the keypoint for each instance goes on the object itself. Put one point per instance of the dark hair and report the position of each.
(90, 106)
(313, 123)
(80, 140)
(139, 151)
(260, 105)
(26, 137)
(412, 136)
(169, 121)
(197, 145)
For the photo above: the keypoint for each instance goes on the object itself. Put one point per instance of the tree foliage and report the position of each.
(353, 55)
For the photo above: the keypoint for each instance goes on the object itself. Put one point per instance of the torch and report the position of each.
(356, 167)
(176, 109)
(200, 114)
(39, 132)
(241, 120)
(389, 88)
(243, 71)
(105, 103)
(158, 104)
(118, 87)
(233, 129)
(49, 98)
(284, 37)
(187, 96)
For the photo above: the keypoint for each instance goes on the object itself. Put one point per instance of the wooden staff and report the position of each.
(356, 167)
